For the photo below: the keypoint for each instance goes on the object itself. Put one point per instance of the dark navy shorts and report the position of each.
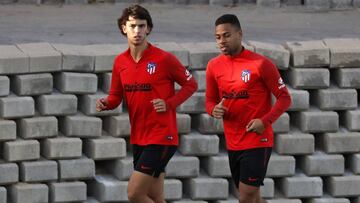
(152, 159)
(249, 166)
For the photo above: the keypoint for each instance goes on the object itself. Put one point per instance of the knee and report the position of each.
(157, 198)
(247, 196)
(133, 196)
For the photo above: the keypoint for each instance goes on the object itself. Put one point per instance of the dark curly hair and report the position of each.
(137, 12)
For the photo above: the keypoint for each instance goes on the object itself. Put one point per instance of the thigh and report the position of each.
(154, 159)
(253, 165)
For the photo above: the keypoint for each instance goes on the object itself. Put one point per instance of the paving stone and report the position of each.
(57, 104)
(76, 58)
(207, 124)
(122, 168)
(308, 78)
(43, 57)
(309, 53)
(351, 119)
(340, 142)
(38, 171)
(183, 123)
(343, 186)
(3, 193)
(200, 77)
(275, 52)
(8, 130)
(76, 169)
(196, 144)
(16, 107)
(172, 189)
(200, 53)
(294, 143)
(216, 166)
(13, 60)
(301, 186)
(32, 84)
(88, 105)
(344, 52)
(21, 150)
(354, 163)
(280, 166)
(117, 126)
(37, 127)
(300, 100)
(282, 124)
(347, 77)
(107, 188)
(105, 55)
(321, 164)
(328, 200)
(80, 126)
(76, 83)
(193, 105)
(190, 167)
(180, 53)
(316, 121)
(10, 173)
(67, 191)
(28, 193)
(61, 148)
(335, 99)
(268, 3)
(105, 148)
(4, 86)
(206, 188)
(221, 2)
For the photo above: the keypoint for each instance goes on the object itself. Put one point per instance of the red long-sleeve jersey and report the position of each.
(246, 81)
(139, 83)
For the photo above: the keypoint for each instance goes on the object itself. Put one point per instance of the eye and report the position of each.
(133, 26)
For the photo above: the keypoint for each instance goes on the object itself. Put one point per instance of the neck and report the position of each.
(137, 51)
(238, 51)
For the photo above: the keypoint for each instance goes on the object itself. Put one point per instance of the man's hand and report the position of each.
(101, 104)
(255, 125)
(159, 105)
(219, 110)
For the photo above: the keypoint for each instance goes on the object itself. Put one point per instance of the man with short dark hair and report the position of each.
(144, 77)
(239, 84)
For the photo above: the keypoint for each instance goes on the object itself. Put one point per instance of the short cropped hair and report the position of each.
(228, 18)
(137, 12)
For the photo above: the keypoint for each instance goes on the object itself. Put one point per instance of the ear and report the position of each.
(123, 27)
(147, 30)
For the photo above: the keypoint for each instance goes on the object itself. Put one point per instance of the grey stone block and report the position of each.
(67, 191)
(76, 58)
(3, 193)
(87, 104)
(105, 148)
(196, 144)
(76, 169)
(172, 189)
(340, 4)
(28, 193)
(57, 104)
(320, 164)
(117, 126)
(308, 53)
(183, 123)
(80, 126)
(21, 150)
(32, 84)
(206, 188)
(16, 107)
(105, 82)
(200, 53)
(344, 52)
(294, 143)
(354, 163)
(301, 186)
(12, 60)
(9, 173)
(328, 200)
(351, 119)
(107, 188)
(121, 168)
(198, 2)
(76, 2)
(340, 142)
(38, 171)
(190, 167)
(76, 83)
(180, 53)
(8, 130)
(206, 124)
(43, 57)
(37, 127)
(61, 148)
(343, 186)
(91, 200)
(315, 121)
(335, 99)
(291, 2)
(105, 55)
(356, 4)
(216, 166)
(308, 78)
(317, 5)
(347, 77)
(280, 166)
(221, 2)
(282, 124)
(189, 201)
(200, 77)
(194, 104)
(268, 3)
(4, 86)
(300, 100)
(275, 52)
(281, 200)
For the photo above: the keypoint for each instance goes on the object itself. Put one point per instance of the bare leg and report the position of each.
(139, 186)
(156, 192)
(248, 193)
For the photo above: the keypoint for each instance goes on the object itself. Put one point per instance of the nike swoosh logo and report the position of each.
(144, 167)
(252, 179)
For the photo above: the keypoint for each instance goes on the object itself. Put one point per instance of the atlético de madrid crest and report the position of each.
(245, 75)
(151, 67)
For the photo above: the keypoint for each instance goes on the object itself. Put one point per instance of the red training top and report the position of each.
(139, 83)
(246, 81)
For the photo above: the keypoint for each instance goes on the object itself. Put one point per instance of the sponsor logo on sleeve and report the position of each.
(188, 75)
(281, 83)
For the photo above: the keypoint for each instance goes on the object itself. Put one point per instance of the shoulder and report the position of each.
(216, 61)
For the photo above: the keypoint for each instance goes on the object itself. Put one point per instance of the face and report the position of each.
(136, 30)
(228, 39)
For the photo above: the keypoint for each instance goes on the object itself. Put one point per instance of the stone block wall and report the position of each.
(54, 146)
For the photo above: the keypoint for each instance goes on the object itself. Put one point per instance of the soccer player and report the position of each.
(239, 84)
(144, 77)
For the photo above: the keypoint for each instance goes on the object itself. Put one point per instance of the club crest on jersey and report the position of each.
(151, 67)
(245, 75)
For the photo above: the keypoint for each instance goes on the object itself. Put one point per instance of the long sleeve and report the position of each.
(274, 82)
(212, 96)
(184, 78)
(116, 89)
